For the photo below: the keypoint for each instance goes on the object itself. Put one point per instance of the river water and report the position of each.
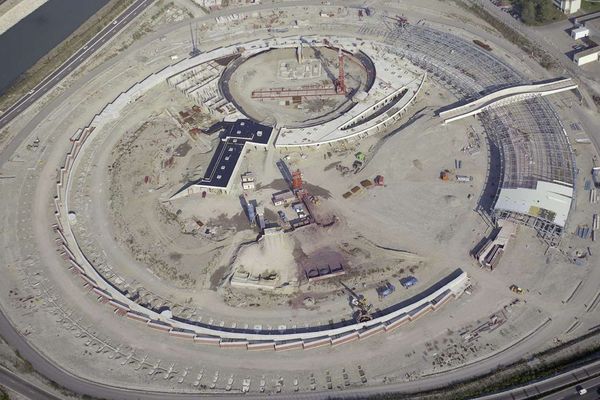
(38, 33)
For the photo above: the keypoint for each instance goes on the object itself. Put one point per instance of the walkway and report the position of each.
(506, 96)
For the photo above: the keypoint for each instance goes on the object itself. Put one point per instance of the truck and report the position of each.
(596, 176)
(516, 289)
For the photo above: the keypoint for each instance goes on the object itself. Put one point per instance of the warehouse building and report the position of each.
(568, 6)
(587, 56)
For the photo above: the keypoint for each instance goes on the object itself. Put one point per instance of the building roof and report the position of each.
(590, 50)
(585, 53)
(248, 130)
(580, 29)
(550, 201)
(229, 150)
(223, 163)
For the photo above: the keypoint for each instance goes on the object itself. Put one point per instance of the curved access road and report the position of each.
(29, 390)
(78, 58)
(84, 386)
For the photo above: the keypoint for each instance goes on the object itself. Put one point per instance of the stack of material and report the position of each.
(583, 231)
(594, 197)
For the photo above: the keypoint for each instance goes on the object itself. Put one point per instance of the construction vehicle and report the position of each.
(362, 309)
(446, 175)
(596, 176)
(516, 289)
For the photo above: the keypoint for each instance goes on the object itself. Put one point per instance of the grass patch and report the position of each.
(63, 51)
(588, 6)
(22, 364)
(538, 12)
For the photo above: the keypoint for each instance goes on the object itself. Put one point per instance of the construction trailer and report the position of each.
(248, 181)
(587, 56)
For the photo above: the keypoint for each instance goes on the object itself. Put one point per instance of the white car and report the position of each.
(581, 390)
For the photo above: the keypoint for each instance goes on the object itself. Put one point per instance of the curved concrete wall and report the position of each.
(507, 96)
(249, 339)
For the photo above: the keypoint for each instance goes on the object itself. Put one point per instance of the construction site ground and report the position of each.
(264, 71)
(125, 224)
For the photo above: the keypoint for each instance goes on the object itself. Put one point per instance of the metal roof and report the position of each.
(550, 201)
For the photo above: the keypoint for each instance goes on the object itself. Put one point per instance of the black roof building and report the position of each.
(227, 155)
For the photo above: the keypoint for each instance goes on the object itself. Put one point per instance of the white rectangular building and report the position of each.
(587, 56)
(580, 32)
(550, 201)
(568, 6)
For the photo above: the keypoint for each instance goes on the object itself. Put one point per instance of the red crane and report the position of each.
(340, 85)
(297, 180)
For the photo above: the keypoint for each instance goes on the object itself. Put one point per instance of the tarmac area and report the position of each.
(179, 254)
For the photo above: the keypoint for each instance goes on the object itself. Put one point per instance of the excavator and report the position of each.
(362, 309)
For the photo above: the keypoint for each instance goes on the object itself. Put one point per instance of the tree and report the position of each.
(545, 10)
(528, 14)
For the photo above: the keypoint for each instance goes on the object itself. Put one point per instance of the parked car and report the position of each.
(282, 216)
(408, 281)
(385, 290)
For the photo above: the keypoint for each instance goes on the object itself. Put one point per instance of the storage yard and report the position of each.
(345, 199)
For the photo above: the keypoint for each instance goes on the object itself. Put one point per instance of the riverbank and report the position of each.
(61, 53)
(12, 11)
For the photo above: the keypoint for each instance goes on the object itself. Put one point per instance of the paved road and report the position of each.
(74, 61)
(13, 381)
(572, 392)
(573, 378)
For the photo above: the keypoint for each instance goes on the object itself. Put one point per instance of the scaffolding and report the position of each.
(527, 137)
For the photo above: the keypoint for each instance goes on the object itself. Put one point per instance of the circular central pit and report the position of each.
(294, 88)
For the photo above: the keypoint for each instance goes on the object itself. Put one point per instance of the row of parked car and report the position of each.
(387, 288)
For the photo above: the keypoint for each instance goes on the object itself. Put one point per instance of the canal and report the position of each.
(34, 36)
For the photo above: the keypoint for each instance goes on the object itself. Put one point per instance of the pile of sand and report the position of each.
(272, 254)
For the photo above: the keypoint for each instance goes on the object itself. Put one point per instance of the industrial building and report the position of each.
(547, 203)
(226, 159)
(587, 56)
(568, 6)
(580, 32)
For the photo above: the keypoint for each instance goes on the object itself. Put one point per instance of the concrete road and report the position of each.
(579, 376)
(79, 57)
(29, 390)
(572, 392)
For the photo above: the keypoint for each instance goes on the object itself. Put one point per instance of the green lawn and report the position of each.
(587, 6)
